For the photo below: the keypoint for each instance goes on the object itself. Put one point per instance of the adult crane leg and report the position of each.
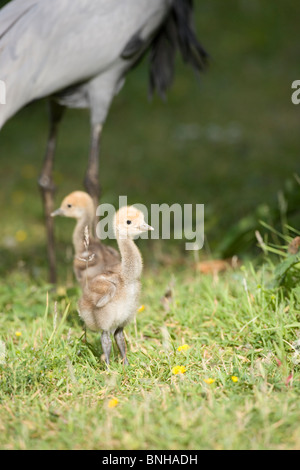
(46, 183)
(91, 180)
(100, 91)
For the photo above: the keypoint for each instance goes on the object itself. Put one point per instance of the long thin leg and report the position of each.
(91, 180)
(120, 340)
(47, 185)
(106, 345)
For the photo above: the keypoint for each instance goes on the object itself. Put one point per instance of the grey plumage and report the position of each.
(78, 52)
(70, 49)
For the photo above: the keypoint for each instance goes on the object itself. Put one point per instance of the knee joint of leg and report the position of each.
(46, 183)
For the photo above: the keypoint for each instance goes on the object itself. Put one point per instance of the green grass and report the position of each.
(229, 142)
(55, 389)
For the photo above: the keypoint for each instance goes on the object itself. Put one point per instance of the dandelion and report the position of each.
(18, 334)
(183, 347)
(209, 381)
(234, 378)
(20, 236)
(61, 291)
(141, 309)
(113, 403)
(178, 370)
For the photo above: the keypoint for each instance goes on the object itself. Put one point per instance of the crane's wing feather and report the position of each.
(133, 47)
(12, 13)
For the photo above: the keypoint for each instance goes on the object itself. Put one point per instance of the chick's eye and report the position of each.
(69, 206)
(128, 222)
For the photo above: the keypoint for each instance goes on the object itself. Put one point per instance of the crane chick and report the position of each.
(110, 300)
(91, 256)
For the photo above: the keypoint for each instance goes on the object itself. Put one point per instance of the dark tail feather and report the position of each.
(190, 48)
(177, 33)
(162, 59)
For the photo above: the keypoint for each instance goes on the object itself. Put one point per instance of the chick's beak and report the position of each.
(58, 211)
(144, 227)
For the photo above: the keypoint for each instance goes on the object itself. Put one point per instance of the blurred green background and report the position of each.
(229, 140)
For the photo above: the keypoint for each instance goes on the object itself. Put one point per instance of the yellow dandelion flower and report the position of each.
(209, 381)
(20, 236)
(18, 334)
(113, 403)
(61, 291)
(183, 347)
(234, 378)
(141, 309)
(178, 370)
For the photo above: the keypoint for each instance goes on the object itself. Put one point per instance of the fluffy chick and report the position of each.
(110, 300)
(91, 256)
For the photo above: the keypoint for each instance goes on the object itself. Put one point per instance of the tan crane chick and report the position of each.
(91, 256)
(110, 300)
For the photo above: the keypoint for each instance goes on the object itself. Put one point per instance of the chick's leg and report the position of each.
(120, 340)
(106, 345)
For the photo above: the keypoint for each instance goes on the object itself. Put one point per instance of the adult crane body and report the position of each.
(72, 50)
(77, 53)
